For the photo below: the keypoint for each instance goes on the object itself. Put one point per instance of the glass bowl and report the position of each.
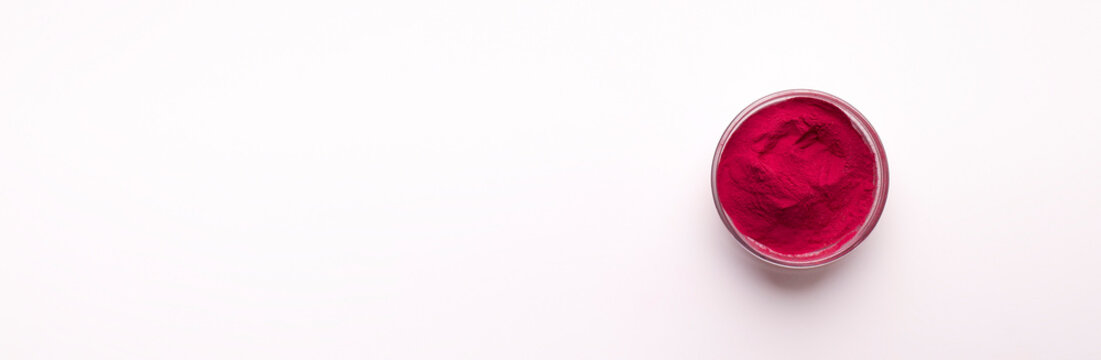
(842, 246)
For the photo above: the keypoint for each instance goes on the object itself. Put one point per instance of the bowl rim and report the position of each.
(863, 127)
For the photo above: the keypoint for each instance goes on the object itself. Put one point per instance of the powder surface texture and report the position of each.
(797, 177)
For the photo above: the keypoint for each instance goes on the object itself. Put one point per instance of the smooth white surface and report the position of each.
(511, 180)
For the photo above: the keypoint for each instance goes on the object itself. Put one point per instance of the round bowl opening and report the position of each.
(842, 246)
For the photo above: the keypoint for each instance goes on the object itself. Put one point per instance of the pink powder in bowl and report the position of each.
(799, 178)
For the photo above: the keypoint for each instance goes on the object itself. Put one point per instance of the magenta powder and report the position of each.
(796, 177)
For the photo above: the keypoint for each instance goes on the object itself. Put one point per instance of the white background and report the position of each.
(512, 180)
